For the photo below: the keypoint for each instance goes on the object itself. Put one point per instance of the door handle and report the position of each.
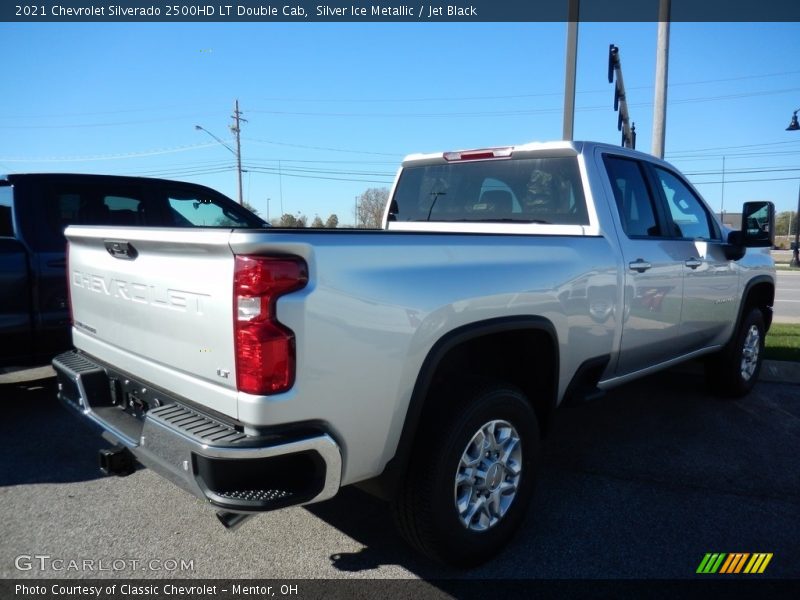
(693, 263)
(639, 265)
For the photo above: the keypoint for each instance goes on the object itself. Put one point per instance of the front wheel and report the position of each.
(734, 371)
(471, 477)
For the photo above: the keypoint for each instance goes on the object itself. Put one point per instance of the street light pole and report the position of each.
(795, 262)
(232, 151)
(236, 130)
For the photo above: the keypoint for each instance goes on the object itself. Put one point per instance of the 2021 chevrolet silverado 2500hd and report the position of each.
(261, 369)
(35, 209)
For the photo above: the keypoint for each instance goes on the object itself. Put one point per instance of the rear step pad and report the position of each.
(200, 428)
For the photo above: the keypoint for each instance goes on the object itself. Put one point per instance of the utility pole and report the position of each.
(280, 185)
(571, 67)
(662, 68)
(236, 129)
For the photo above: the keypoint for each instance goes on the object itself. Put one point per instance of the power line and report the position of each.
(319, 147)
(515, 96)
(743, 171)
(676, 152)
(171, 173)
(403, 115)
(512, 113)
(124, 155)
(182, 117)
(306, 176)
(716, 157)
(727, 181)
(183, 106)
(285, 169)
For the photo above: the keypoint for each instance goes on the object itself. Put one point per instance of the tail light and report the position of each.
(265, 349)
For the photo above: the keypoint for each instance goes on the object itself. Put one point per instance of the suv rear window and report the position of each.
(527, 190)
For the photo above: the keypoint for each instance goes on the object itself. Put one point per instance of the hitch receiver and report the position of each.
(117, 461)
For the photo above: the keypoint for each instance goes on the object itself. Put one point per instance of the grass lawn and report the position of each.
(783, 342)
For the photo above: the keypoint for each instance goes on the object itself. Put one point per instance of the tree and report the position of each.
(250, 207)
(371, 205)
(332, 222)
(782, 221)
(289, 220)
(317, 223)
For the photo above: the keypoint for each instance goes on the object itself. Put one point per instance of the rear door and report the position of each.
(653, 270)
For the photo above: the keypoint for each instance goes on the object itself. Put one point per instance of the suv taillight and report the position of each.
(265, 349)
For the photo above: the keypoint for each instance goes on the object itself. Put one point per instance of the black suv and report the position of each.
(34, 211)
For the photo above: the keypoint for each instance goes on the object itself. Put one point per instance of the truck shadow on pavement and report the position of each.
(641, 483)
(40, 442)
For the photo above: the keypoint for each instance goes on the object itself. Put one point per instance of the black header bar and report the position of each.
(420, 11)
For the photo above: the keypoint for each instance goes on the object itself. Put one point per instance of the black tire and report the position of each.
(734, 371)
(425, 508)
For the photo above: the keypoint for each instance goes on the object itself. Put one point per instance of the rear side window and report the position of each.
(124, 210)
(528, 190)
(6, 218)
(633, 198)
(75, 204)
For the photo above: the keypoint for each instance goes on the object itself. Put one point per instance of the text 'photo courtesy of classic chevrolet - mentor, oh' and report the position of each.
(265, 368)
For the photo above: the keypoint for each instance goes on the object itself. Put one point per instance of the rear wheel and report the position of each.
(734, 371)
(471, 477)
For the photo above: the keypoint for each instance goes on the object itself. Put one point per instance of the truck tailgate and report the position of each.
(158, 303)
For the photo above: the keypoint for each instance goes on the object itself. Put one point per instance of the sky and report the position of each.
(332, 108)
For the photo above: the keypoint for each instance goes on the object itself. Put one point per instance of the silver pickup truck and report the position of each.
(260, 369)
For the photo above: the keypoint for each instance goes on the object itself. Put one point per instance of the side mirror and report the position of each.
(758, 225)
(757, 231)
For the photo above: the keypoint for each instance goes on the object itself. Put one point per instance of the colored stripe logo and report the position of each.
(734, 563)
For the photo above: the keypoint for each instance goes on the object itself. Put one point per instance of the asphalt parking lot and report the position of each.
(640, 484)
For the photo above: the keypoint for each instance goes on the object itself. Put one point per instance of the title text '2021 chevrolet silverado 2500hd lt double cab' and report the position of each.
(35, 208)
(267, 368)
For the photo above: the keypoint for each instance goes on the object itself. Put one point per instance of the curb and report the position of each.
(22, 374)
